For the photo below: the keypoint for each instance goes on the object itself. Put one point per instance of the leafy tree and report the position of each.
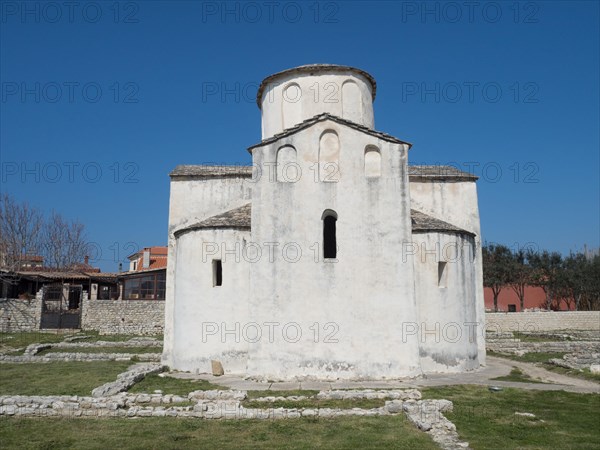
(497, 260)
(546, 270)
(519, 275)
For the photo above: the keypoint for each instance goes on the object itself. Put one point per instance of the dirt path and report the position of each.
(547, 376)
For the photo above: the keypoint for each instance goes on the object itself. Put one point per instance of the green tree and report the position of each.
(546, 272)
(519, 275)
(497, 260)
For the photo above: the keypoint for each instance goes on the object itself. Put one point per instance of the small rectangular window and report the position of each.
(442, 274)
(512, 308)
(217, 272)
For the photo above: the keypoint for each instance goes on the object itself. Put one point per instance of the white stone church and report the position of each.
(330, 257)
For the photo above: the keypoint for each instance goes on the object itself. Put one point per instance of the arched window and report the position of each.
(351, 102)
(372, 162)
(291, 105)
(288, 170)
(329, 157)
(329, 234)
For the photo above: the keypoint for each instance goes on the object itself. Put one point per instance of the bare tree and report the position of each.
(20, 232)
(65, 242)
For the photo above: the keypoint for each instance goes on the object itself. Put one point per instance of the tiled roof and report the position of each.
(157, 262)
(416, 172)
(326, 116)
(142, 271)
(201, 171)
(422, 223)
(311, 68)
(439, 173)
(154, 251)
(241, 218)
(65, 275)
(235, 218)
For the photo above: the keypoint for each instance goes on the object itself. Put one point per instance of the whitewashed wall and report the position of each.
(447, 326)
(207, 319)
(192, 200)
(456, 203)
(364, 296)
(293, 97)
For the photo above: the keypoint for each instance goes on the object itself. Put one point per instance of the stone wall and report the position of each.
(20, 315)
(123, 316)
(543, 321)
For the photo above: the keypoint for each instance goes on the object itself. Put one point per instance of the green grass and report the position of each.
(532, 357)
(584, 374)
(19, 340)
(95, 336)
(23, 339)
(517, 375)
(486, 420)
(134, 350)
(390, 432)
(58, 378)
(170, 385)
(533, 338)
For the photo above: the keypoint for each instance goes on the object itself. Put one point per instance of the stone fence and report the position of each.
(543, 321)
(123, 316)
(141, 317)
(20, 315)
(146, 317)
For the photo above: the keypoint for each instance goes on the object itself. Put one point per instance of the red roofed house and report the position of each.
(146, 279)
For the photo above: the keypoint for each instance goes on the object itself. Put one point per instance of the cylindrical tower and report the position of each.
(294, 95)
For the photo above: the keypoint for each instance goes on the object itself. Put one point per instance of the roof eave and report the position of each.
(326, 116)
(186, 230)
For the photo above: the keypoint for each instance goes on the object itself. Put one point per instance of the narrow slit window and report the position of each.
(217, 272)
(329, 237)
(442, 274)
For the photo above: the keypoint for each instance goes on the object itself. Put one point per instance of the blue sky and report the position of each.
(100, 102)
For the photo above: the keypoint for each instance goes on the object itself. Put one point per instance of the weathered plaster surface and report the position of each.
(284, 311)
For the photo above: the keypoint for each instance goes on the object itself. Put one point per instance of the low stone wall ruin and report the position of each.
(543, 321)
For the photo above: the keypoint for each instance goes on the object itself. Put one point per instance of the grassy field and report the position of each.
(22, 339)
(58, 378)
(95, 336)
(102, 350)
(533, 338)
(487, 420)
(393, 432)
